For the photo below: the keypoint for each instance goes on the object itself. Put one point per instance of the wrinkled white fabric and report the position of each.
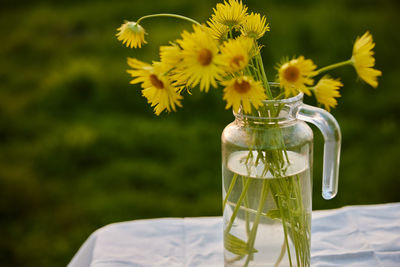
(356, 236)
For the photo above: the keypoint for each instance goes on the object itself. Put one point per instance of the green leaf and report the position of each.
(236, 245)
(274, 214)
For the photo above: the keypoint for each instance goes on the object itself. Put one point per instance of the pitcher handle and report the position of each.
(330, 129)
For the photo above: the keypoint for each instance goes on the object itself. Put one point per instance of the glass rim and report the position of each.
(289, 100)
(292, 102)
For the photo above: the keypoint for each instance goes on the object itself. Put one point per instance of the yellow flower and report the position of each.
(243, 91)
(230, 13)
(363, 59)
(326, 90)
(218, 31)
(296, 74)
(132, 34)
(254, 26)
(156, 86)
(236, 53)
(170, 55)
(201, 62)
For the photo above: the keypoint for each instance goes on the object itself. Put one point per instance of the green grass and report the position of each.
(80, 148)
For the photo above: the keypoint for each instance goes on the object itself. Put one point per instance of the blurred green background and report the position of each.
(80, 148)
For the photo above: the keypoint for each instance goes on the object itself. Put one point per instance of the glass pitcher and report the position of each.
(267, 182)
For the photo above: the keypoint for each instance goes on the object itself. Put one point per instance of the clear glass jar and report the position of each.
(267, 182)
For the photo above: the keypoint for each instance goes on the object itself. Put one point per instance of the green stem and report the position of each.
(252, 238)
(334, 66)
(230, 33)
(253, 70)
(278, 202)
(168, 15)
(262, 71)
(303, 221)
(236, 210)
(283, 250)
(233, 182)
(246, 214)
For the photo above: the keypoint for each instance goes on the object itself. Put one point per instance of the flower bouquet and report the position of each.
(267, 150)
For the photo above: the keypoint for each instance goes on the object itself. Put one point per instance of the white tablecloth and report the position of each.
(356, 236)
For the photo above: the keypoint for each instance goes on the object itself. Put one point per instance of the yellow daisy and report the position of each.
(201, 62)
(243, 91)
(296, 74)
(170, 55)
(132, 34)
(156, 86)
(218, 31)
(230, 13)
(326, 90)
(236, 53)
(254, 26)
(364, 61)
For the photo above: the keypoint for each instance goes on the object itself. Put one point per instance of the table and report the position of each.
(356, 236)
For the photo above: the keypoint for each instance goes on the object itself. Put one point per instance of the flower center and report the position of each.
(291, 74)
(205, 57)
(156, 82)
(242, 87)
(236, 61)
